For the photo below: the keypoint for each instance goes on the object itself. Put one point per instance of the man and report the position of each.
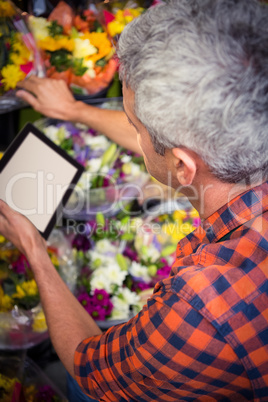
(195, 85)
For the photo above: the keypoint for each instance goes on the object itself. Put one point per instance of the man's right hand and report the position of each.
(48, 96)
(20, 232)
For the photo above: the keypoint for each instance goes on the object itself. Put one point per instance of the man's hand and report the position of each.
(48, 96)
(20, 231)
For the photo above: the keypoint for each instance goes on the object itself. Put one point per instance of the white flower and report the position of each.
(139, 271)
(119, 313)
(145, 247)
(94, 165)
(105, 246)
(90, 68)
(131, 297)
(102, 260)
(107, 277)
(131, 168)
(152, 253)
(122, 302)
(83, 48)
(135, 169)
(98, 142)
(126, 158)
(84, 181)
(39, 27)
(114, 274)
(99, 281)
(52, 133)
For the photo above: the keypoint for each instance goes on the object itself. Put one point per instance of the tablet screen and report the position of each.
(37, 178)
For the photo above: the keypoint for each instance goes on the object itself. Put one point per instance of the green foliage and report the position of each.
(61, 59)
(55, 29)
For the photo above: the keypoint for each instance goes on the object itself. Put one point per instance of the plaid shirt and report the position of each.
(203, 334)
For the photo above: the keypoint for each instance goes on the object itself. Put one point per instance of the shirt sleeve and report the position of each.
(167, 350)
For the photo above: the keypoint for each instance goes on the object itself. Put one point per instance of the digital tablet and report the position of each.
(37, 178)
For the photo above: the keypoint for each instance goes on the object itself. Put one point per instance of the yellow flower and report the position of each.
(39, 27)
(186, 228)
(11, 74)
(128, 19)
(180, 214)
(6, 303)
(136, 11)
(27, 288)
(119, 16)
(30, 393)
(54, 260)
(102, 43)
(52, 44)
(194, 214)
(30, 287)
(115, 27)
(20, 293)
(39, 323)
(18, 59)
(6, 9)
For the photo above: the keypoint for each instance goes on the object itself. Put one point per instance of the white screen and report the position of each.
(34, 181)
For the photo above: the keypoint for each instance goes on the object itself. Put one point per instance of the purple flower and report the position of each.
(143, 285)
(45, 394)
(164, 271)
(81, 242)
(78, 141)
(69, 127)
(92, 132)
(20, 266)
(131, 254)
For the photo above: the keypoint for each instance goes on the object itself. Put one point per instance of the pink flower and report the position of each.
(102, 298)
(85, 300)
(196, 222)
(27, 68)
(98, 313)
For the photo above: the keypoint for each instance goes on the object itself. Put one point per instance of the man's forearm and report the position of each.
(67, 320)
(112, 123)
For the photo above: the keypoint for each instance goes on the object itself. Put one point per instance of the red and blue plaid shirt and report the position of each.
(203, 334)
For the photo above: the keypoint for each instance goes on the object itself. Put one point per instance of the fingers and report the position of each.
(4, 208)
(29, 82)
(27, 97)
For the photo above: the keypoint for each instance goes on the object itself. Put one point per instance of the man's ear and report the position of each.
(185, 164)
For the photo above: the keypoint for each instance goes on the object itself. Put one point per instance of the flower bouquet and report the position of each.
(123, 258)
(104, 286)
(22, 380)
(75, 48)
(19, 56)
(113, 176)
(22, 320)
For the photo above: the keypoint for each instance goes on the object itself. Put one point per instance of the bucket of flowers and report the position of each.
(113, 176)
(22, 380)
(123, 258)
(75, 48)
(22, 320)
(19, 56)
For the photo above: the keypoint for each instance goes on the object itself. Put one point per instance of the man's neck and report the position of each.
(210, 195)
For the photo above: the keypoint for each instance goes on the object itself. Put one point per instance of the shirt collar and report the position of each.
(235, 213)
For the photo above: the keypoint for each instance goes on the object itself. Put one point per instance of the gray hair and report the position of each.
(199, 70)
